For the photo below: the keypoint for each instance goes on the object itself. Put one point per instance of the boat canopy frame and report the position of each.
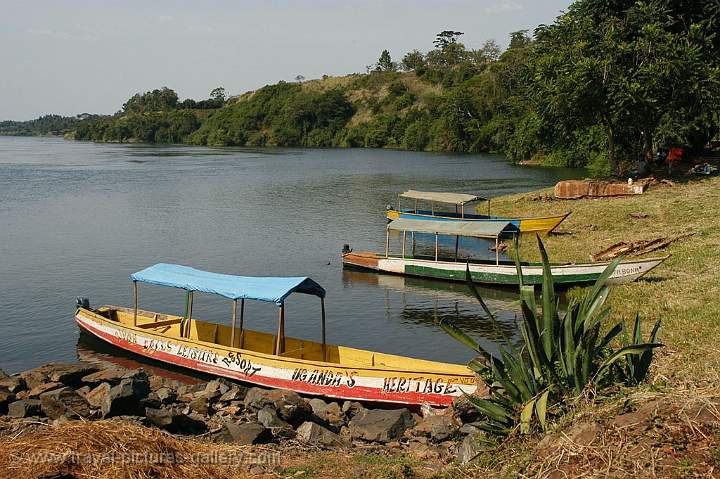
(259, 288)
(472, 229)
(459, 200)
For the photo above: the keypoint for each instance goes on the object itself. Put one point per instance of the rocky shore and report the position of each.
(223, 411)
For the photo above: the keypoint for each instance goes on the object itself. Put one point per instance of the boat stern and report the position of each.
(361, 259)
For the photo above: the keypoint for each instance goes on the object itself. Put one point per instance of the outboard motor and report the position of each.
(346, 249)
(82, 303)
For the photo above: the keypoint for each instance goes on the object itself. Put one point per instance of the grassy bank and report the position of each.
(666, 428)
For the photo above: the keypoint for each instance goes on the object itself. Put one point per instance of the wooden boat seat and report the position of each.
(160, 324)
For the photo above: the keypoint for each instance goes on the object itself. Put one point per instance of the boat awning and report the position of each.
(475, 229)
(442, 197)
(270, 289)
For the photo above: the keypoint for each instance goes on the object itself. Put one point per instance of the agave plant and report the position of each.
(560, 356)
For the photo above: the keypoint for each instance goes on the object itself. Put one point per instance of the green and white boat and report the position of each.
(482, 271)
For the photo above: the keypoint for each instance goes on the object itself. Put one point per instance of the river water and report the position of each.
(76, 219)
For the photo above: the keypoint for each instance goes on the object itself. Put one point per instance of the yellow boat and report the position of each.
(273, 360)
(526, 224)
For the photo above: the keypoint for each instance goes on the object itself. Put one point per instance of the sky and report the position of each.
(76, 56)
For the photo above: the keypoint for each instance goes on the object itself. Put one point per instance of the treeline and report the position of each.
(44, 125)
(606, 83)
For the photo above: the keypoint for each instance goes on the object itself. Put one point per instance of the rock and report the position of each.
(200, 405)
(469, 449)
(35, 392)
(423, 452)
(3, 374)
(124, 398)
(288, 404)
(215, 388)
(97, 396)
(584, 434)
(269, 418)
(70, 374)
(352, 407)
(380, 425)
(464, 410)
(6, 397)
(235, 393)
(165, 395)
(469, 429)
(111, 376)
(437, 427)
(329, 412)
(14, 384)
(243, 434)
(64, 402)
(174, 421)
(25, 408)
(315, 434)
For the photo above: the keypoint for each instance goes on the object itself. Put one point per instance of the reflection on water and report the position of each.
(425, 302)
(96, 351)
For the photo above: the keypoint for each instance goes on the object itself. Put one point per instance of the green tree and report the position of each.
(218, 94)
(385, 63)
(639, 69)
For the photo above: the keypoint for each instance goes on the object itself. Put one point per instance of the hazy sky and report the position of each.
(74, 56)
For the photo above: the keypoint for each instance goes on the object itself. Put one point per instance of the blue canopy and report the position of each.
(270, 289)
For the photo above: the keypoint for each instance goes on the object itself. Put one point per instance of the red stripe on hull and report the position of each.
(362, 393)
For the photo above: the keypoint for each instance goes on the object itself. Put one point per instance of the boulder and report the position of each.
(124, 398)
(64, 402)
(289, 405)
(165, 395)
(200, 405)
(14, 384)
(235, 393)
(469, 449)
(6, 397)
(437, 427)
(243, 434)
(69, 374)
(3, 374)
(380, 425)
(351, 408)
(25, 408)
(111, 376)
(97, 396)
(317, 435)
(215, 388)
(328, 412)
(35, 392)
(175, 421)
(269, 418)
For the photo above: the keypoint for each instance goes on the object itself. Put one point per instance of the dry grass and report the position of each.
(114, 449)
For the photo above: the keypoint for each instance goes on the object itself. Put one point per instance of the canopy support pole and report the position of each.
(488, 207)
(403, 248)
(416, 205)
(497, 252)
(457, 245)
(432, 208)
(280, 342)
(436, 247)
(234, 317)
(399, 199)
(189, 321)
(322, 312)
(242, 323)
(387, 242)
(135, 313)
(462, 211)
(412, 236)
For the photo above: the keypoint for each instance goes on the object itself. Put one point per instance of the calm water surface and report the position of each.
(77, 218)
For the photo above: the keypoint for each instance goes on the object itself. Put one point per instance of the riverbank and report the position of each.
(665, 428)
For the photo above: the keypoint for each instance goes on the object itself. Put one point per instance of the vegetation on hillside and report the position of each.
(606, 83)
(44, 125)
